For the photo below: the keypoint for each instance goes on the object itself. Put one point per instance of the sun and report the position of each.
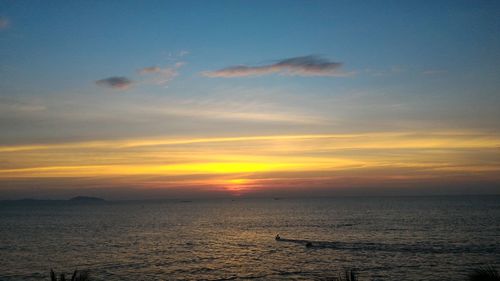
(237, 186)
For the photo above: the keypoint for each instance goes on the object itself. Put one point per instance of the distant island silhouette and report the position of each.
(86, 199)
(76, 200)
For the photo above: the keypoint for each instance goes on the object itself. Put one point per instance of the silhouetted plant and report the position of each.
(486, 273)
(349, 275)
(77, 276)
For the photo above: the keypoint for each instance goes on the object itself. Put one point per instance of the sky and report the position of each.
(177, 99)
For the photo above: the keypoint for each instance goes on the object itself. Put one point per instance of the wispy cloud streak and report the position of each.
(434, 71)
(300, 66)
(4, 23)
(149, 70)
(161, 75)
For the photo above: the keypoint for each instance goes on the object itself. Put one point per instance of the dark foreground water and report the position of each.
(419, 238)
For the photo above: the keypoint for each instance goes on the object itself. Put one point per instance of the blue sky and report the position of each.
(81, 40)
(79, 71)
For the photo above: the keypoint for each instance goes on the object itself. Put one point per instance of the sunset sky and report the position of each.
(170, 99)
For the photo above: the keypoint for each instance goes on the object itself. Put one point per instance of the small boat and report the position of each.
(306, 243)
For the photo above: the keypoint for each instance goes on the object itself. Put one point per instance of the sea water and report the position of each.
(386, 238)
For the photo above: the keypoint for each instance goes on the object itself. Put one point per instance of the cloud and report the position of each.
(118, 83)
(165, 75)
(4, 23)
(300, 66)
(148, 70)
(433, 71)
(161, 75)
(156, 74)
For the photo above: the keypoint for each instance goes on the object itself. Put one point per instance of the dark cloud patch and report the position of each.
(301, 66)
(118, 83)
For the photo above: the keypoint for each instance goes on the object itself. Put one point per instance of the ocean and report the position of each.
(381, 238)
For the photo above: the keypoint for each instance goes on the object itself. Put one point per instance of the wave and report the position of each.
(408, 248)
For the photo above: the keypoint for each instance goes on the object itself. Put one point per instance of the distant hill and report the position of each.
(86, 199)
(74, 200)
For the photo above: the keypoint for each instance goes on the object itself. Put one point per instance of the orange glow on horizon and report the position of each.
(234, 163)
